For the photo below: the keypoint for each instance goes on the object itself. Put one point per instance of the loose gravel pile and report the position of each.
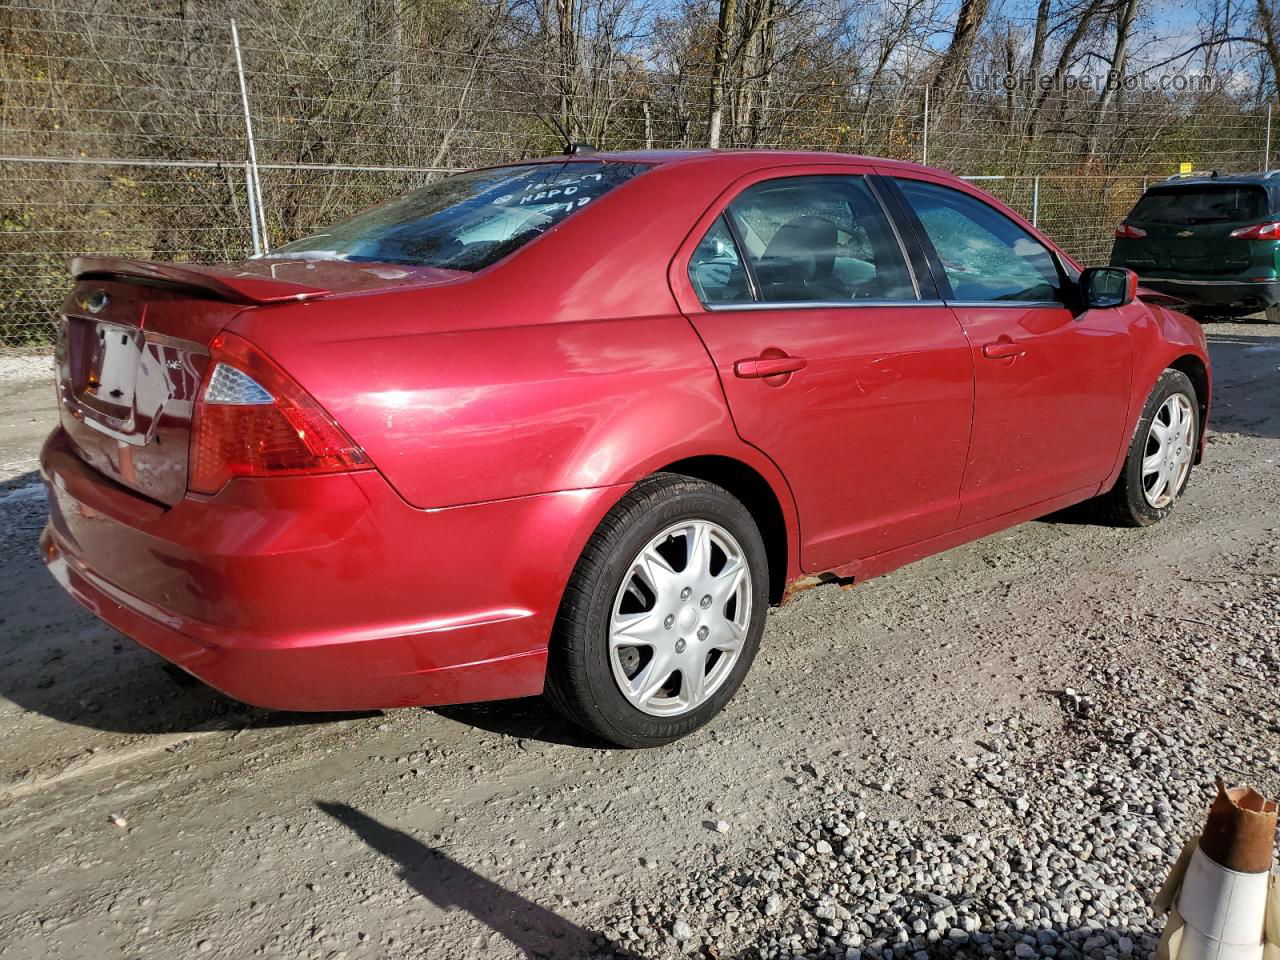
(1077, 838)
(25, 365)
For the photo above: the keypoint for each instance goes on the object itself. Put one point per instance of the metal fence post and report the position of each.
(1266, 143)
(253, 209)
(924, 158)
(1035, 201)
(256, 186)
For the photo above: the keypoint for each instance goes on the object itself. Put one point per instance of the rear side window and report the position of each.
(716, 268)
(820, 239)
(1223, 203)
(468, 221)
(986, 256)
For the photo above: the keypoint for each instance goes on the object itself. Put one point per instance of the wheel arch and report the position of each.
(761, 500)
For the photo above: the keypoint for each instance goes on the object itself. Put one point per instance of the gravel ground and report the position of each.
(996, 751)
(1082, 817)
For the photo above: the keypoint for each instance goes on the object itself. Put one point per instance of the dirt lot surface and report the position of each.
(143, 815)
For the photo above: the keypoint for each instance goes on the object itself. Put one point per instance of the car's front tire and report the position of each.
(663, 615)
(1160, 457)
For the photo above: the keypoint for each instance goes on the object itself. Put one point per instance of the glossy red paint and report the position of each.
(323, 593)
(866, 392)
(504, 412)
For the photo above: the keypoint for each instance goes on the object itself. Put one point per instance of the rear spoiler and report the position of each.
(243, 288)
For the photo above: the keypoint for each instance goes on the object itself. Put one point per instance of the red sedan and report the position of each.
(573, 425)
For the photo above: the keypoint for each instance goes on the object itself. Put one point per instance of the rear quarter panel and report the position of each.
(463, 417)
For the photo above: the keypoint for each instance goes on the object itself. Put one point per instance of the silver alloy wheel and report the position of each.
(680, 618)
(1170, 447)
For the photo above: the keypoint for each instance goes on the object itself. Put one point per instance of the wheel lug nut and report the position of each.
(705, 602)
(680, 645)
(684, 594)
(703, 633)
(671, 619)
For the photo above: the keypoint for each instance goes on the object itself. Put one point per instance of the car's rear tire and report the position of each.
(674, 579)
(1160, 457)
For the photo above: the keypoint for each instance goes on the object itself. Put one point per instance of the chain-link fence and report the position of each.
(130, 135)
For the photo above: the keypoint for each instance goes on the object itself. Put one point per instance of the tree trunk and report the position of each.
(1041, 36)
(1010, 66)
(1115, 76)
(1270, 42)
(397, 51)
(764, 96)
(567, 38)
(719, 67)
(1064, 62)
(968, 23)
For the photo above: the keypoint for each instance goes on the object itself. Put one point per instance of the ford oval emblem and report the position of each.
(96, 302)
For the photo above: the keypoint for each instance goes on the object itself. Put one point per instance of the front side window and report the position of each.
(986, 256)
(468, 221)
(821, 239)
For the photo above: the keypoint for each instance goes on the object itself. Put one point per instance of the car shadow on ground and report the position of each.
(533, 929)
(1246, 389)
(529, 718)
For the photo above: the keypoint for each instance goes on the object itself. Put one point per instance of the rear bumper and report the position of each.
(1254, 294)
(322, 593)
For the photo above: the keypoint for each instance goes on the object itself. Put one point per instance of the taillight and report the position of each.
(1259, 231)
(1127, 231)
(253, 420)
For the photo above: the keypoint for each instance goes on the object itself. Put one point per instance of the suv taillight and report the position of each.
(1127, 231)
(253, 420)
(1259, 231)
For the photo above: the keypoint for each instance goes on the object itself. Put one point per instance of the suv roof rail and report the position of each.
(1196, 175)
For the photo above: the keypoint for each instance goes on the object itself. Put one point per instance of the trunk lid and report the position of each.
(130, 360)
(1197, 249)
(133, 347)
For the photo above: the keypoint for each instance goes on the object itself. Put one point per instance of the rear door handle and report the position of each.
(769, 367)
(1003, 349)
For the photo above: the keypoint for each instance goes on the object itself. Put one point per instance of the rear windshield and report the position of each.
(467, 221)
(1217, 204)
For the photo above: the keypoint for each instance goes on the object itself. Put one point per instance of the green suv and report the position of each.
(1213, 241)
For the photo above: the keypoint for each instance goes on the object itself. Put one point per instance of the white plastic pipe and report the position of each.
(1223, 911)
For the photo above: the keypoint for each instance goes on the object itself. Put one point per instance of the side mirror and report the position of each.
(1108, 287)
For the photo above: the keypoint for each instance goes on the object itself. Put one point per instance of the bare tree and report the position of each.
(969, 22)
(719, 68)
(1266, 22)
(1126, 13)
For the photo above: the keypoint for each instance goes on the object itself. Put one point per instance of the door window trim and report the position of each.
(870, 178)
(1007, 303)
(753, 283)
(821, 304)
